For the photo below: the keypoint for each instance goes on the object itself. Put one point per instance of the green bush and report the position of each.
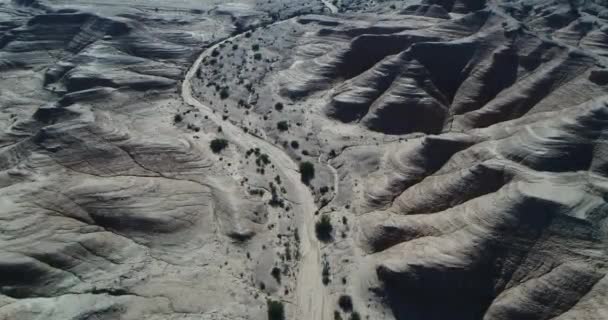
(276, 274)
(257, 56)
(255, 47)
(178, 118)
(325, 273)
(307, 172)
(337, 315)
(278, 106)
(345, 303)
(323, 228)
(355, 316)
(282, 126)
(276, 311)
(217, 145)
(224, 93)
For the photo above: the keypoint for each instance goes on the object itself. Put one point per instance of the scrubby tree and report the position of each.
(323, 228)
(337, 315)
(307, 172)
(282, 125)
(276, 274)
(217, 145)
(224, 93)
(276, 311)
(345, 303)
(177, 118)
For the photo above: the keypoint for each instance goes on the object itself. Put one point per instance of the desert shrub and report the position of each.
(217, 145)
(345, 303)
(224, 93)
(276, 274)
(307, 172)
(287, 252)
(325, 273)
(178, 118)
(255, 47)
(215, 53)
(355, 316)
(337, 315)
(295, 144)
(323, 228)
(257, 56)
(278, 106)
(282, 125)
(276, 311)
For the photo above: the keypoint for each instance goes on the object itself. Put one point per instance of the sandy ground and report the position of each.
(311, 296)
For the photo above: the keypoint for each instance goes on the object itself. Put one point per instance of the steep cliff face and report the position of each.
(150, 159)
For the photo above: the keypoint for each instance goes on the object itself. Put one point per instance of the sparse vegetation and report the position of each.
(224, 93)
(307, 172)
(276, 311)
(275, 201)
(287, 252)
(325, 273)
(345, 303)
(217, 145)
(337, 315)
(323, 228)
(177, 118)
(276, 274)
(282, 126)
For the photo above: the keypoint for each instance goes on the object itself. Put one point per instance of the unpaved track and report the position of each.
(311, 297)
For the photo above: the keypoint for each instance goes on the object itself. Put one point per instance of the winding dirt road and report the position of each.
(311, 297)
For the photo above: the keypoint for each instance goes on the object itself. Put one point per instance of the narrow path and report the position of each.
(311, 296)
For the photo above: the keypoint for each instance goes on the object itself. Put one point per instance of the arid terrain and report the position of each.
(304, 159)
